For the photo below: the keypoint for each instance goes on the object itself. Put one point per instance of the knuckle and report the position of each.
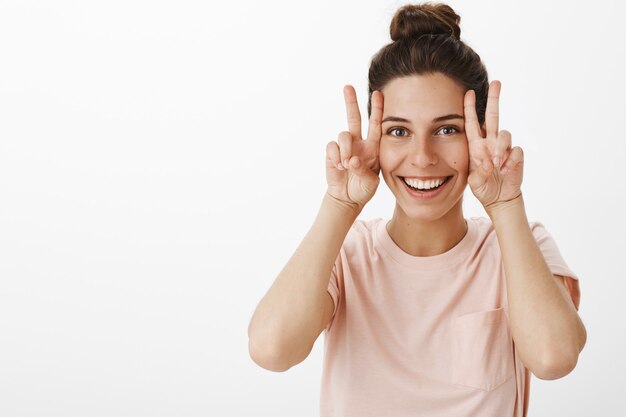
(344, 135)
(345, 141)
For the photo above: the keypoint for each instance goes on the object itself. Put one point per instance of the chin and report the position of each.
(419, 211)
(429, 209)
(424, 214)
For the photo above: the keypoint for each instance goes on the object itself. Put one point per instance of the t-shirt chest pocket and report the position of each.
(482, 352)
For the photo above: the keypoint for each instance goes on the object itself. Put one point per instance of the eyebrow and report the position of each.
(435, 120)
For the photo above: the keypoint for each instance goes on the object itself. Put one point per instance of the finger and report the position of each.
(355, 164)
(504, 158)
(472, 127)
(479, 157)
(480, 160)
(352, 109)
(492, 111)
(359, 168)
(333, 157)
(502, 145)
(374, 130)
(514, 161)
(345, 148)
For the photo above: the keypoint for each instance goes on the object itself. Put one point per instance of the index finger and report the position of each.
(492, 112)
(374, 131)
(472, 127)
(352, 109)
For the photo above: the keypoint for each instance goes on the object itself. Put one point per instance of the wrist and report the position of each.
(344, 207)
(501, 208)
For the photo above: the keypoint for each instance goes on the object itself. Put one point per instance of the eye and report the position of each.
(399, 129)
(449, 130)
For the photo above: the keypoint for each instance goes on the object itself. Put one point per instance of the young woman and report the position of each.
(428, 313)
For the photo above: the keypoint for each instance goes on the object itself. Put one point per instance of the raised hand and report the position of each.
(352, 166)
(496, 170)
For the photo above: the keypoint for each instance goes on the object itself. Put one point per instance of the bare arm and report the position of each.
(290, 317)
(545, 325)
(544, 322)
(297, 306)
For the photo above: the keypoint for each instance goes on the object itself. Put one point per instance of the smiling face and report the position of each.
(423, 138)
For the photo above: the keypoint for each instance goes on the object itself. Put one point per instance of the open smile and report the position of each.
(425, 188)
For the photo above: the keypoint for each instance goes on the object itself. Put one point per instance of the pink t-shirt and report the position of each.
(425, 336)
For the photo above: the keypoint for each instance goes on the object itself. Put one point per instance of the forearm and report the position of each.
(546, 328)
(287, 320)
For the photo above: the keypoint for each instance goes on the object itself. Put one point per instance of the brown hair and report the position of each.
(426, 40)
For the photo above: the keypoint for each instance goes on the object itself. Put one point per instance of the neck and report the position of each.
(419, 237)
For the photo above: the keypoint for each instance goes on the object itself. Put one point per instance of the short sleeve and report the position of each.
(555, 261)
(333, 286)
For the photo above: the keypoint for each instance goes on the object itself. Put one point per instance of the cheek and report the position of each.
(461, 162)
(460, 158)
(388, 158)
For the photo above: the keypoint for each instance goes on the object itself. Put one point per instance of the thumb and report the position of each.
(362, 170)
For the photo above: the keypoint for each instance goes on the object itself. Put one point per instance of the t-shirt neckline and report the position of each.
(444, 260)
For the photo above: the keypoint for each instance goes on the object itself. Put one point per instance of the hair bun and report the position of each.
(414, 20)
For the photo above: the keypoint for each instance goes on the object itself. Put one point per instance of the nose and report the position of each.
(423, 153)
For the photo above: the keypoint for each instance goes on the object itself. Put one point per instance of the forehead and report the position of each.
(422, 97)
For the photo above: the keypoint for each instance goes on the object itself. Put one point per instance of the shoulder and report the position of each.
(485, 239)
(363, 227)
(485, 229)
(540, 231)
(363, 230)
(362, 235)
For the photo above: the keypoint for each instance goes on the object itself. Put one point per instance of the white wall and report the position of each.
(160, 161)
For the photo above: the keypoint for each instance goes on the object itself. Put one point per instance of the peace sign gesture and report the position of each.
(352, 166)
(496, 170)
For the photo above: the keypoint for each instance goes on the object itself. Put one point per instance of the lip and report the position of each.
(425, 195)
(427, 178)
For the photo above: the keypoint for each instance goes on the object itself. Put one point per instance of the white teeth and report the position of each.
(424, 185)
